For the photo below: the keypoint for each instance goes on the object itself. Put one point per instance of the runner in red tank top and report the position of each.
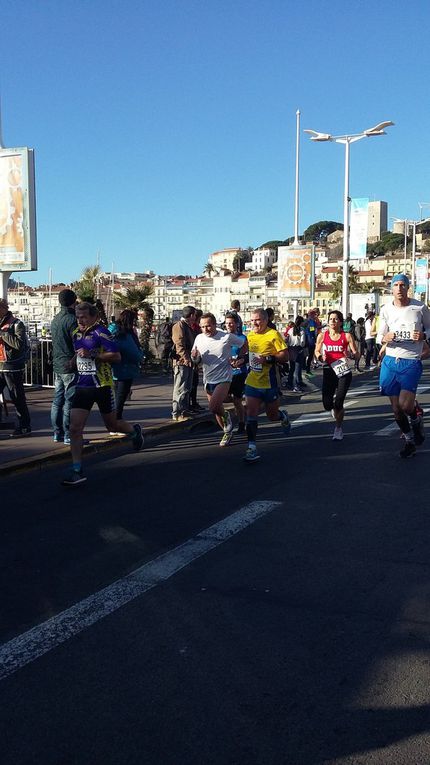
(332, 348)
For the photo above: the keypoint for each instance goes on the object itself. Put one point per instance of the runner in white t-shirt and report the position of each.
(213, 348)
(403, 325)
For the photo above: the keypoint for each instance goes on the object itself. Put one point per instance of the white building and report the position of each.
(262, 258)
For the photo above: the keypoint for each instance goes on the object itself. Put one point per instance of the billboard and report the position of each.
(296, 272)
(17, 211)
(421, 275)
(358, 228)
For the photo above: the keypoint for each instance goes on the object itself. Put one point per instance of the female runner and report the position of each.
(332, 348)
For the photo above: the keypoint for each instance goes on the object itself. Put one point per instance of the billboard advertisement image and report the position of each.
(17, 211)
(296, 272)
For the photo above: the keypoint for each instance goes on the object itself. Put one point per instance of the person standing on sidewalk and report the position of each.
(62, 327)
(13, 347)
(183, 336)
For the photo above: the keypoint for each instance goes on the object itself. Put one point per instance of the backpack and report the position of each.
(26, 350)
(164, 334)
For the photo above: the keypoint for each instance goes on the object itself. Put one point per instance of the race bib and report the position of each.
(254, 362)
(404, 333)
(341, 367)
(86, 366)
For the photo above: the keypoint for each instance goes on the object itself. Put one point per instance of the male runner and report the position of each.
(213, 347)
(266, 347)
(403, 325)
(95, 352)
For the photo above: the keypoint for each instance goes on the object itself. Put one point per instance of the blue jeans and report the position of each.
(61, 403)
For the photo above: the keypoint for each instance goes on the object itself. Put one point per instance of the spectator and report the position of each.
(62, 327)
(183, 337)
(164, 343)
(359, 335)
(131, 357)
(369, 340)
(194, 404)
(311, 331)
(13, 356)
(296, 343)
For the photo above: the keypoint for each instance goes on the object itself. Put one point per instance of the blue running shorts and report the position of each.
(265, 394)
(399, 374)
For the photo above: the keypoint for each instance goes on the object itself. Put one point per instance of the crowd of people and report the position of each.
(96, 364)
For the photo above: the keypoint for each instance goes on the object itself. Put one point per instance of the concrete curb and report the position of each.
(62, 453)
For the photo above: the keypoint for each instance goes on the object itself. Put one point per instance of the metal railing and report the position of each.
(38, 370)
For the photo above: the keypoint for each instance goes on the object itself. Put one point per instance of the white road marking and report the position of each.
(306, 419)
(29, 646)
(393, 426)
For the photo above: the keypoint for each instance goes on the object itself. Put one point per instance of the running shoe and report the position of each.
(418, 431)
(419, 411)
(285, 422)
(137, 439)
(67, 441)
(251, 455)
(408, 450)
(309, 374)
(227, 437)
(73, 478)
(58, 438)
(338, 434)
(21, 432)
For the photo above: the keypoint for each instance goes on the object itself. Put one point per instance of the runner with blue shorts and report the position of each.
(403, 326)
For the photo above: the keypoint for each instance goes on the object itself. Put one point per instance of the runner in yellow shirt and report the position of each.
(266, 347)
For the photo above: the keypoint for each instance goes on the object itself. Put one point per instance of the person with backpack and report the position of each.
(164, 343)
(14, 353)
(359, 335)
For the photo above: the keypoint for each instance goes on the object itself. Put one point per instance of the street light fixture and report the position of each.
(347, 140)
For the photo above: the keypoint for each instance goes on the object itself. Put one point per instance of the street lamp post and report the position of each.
(347, 140)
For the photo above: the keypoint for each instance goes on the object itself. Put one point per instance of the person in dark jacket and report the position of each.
(62, 328)
(13, 345)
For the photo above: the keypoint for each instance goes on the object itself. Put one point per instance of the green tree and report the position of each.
(208, 269)
(354, 285)
(314, 231)
(135, 298)
(86, 286)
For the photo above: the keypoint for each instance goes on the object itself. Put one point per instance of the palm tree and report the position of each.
(86, 286)
(134, 298)
(354, 284)
(208, 269)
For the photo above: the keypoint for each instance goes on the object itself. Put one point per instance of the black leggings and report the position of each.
(122, 389)
(334, 386)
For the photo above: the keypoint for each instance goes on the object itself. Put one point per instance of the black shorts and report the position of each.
(237, 386)
(85, 398)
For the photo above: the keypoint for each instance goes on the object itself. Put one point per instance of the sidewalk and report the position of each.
(151, 405)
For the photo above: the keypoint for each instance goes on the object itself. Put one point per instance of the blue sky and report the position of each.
(165, 130)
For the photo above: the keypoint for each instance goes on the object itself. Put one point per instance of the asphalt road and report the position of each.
(302, 639)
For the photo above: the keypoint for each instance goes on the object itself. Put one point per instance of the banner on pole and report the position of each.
(17, 211)
(296, 272)
(358, 228)
(421, 275)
